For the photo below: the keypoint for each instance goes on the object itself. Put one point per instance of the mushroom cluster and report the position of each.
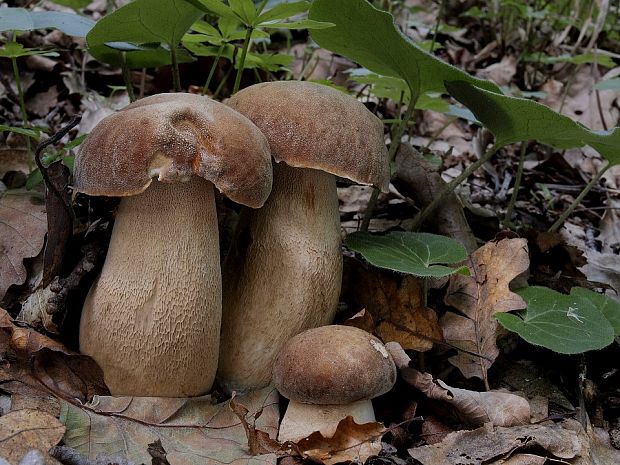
(283, 274)
(152, 318)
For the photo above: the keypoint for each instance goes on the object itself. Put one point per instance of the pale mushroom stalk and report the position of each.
(294, 238)
(146, 306)
(284, 271)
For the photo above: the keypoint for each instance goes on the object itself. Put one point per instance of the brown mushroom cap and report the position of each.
(314, 126)
(174, 137)
(333, 365)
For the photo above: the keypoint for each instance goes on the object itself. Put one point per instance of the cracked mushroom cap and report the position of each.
(173, 137)
(314, 126)
(333, 365)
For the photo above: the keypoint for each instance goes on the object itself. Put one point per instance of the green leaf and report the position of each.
(567, 324)
(419, 254)
(144, 21)
(34, 179)
(20, 19)
(584, 58)
(513, 119)
(369, 37)
(75, 142)
(16, 50)
(245, 10)
(609, 84)
(142, 57)
(32, 133)
(608, 306)
(206, 28)
(301, 24)
(283, 11)
(217, 8)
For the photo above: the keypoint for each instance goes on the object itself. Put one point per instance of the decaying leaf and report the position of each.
(44, 363)
(396, 303)
(192, 431)
(23, 225)
(478, 297)
(474, 408)
(27, 429)
(350, 442)
(488, 444)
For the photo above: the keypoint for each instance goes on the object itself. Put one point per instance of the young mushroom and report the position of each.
(152, 318)
(284, 271)
(330, 373)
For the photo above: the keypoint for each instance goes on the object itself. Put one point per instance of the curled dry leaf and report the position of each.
(23, 225)
(474, 408)
(478, 297)
(488, 444)
(27, 429)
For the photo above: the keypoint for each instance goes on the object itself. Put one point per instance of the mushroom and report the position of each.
(329, 373)
(152, 319)
(283, 273)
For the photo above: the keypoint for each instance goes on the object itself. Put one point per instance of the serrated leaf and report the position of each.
(20, 19)
(369, 36)
(419, 254)
(567, 324)
(283, 11)
(144, 21)
(513, 119)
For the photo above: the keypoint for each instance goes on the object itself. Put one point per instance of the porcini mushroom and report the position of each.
(283, 273)
(152, 318)
(330, 373)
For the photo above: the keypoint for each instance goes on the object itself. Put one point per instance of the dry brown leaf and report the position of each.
(434, 431)
(362, 320)
(479, 296)
(350, 442)
(474, 408)
(487, 444)
(396, 304)
(193, 431)
(23, 225)
(521, 459)
(26, 429)
(502, 72)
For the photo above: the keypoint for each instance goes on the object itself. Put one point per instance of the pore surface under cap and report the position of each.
(174, 137)
(314, 126)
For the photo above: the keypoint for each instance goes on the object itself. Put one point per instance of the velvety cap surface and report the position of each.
(333, 365)
(314, 126)
(173, 137)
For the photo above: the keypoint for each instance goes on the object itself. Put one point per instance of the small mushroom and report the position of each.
(152, 318)
(330, 373)
(283, 274)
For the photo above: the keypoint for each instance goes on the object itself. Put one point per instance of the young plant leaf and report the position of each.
(217, 8)
(20, 19)
(419, 254)
(513, 119)
(32, 133)
(370, 37)
(142, 22)
(17, 50)
(301, 24)
(283, 11)
(609, 307)
(567, 324)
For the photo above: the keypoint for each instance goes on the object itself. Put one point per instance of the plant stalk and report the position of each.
(593, 182)
(127, 77)
(398, 133)
(22, 106)
(213, 67)
(449, 188)
(517, 185)
(176, 77)
(244, 52)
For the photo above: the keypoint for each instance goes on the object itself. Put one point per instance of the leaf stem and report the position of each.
(22, 105)
(593, 182)
(127, 77)
(244, 52)
(449, 188)
(517, 185)
(176, 77)
(213, 67)
(396, 136)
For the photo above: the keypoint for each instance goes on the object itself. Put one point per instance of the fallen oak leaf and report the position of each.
(478, 297)
(259, 442)
(22, 430)
(475, 408)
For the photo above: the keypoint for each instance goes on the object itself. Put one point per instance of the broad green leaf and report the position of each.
(419, 254)
(567, 324)
(16, 50)
(206, 28)
(609, 307)
(370, 37)
(283, 11)
(301, 24)
(144, 21)
(267, 61)
(216, 7)
(32, 133)
(514, 119)
(20, 19)
(141, 57)
(609, 84)
(244, 9)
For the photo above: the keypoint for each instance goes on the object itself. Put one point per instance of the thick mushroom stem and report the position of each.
(282, 275)
(152, 319)
(301, 420)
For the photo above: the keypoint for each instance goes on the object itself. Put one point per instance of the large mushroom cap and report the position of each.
(333, 365)
(314, 126)
(174, 137)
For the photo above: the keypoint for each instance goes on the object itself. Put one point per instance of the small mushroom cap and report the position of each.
(314, 126)
(174, 137)
(333, 365)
